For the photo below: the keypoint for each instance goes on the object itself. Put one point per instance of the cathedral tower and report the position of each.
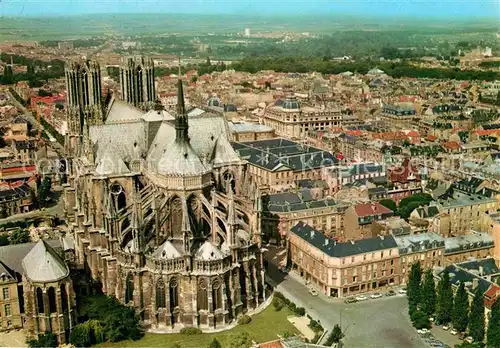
(137, 81)
(83, 84)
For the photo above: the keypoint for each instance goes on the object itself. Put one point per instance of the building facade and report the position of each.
(344, 269)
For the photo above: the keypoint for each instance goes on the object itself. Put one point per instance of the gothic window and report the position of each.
(202, 295)
(129, 288)
(119, 195)
(160, 294)
(174, 293)
(216, 294)
(64, 298)
(228, 181)
(52, 300)
(39, 301)
(175, 217)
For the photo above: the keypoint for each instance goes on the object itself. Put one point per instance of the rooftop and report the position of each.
(417, 242)
(333, 249)
(468, 241)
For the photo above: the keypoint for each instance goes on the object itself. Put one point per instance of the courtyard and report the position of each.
(264, 327)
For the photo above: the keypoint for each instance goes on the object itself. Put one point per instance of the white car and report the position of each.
(446, 327)
(402, 291)
(420, 332)
(376, 295)
(361, 298)
(425, 331)
(453, 332)
(469, 339)
(431, 319)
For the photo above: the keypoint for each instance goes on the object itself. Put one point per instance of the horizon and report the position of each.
(370, 9)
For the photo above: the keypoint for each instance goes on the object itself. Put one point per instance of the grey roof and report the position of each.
(120, 111)
(43, 264)
(419, 242)
(13, 255)
(208, 252)
(488, 266)
(110, 164)
(333, 249)
(179, 158)
(458, 275)
(278, 154)
(167, 251)
(295, 201)
(224, 153)
(6, 274)
(243, 127)
(157, 115)
(468, 241)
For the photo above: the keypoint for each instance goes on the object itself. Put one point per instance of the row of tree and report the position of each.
(448, 307)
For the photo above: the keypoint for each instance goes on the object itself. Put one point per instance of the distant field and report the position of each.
(264, 327)
(59, 28)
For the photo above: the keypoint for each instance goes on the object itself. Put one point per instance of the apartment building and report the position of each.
(359, 217)
(343, 269)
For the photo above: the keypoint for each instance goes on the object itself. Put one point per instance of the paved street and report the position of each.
(382, 322)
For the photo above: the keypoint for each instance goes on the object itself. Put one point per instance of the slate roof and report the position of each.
(427, 211)
(281, 154)
(43, 264)
(208, 252)
(333, 249)
(488, 266)
(458, 275)
(167, 251)
(119, 111)
(295, 201)
(468, 241)
(12, 255)
(15, 193)
(419, 242)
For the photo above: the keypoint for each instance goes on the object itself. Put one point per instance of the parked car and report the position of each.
(419, 331)
(402, 291)
(469, 339)
(361, 298)
(446, 327)
(350, 300)
(390, 293)
(313, 291)
(431, 319)
(424, 330)
(376, 295)
(453, 331)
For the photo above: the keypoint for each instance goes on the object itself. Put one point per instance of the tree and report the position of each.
(389, 204)
(413, 291)
(476, 323)
(214, 344)
(444, 304)
(47, 339)
(19, 236)
(460, 315)
(428, 294)
(4, 239)
(420, 320)
(44, 190)
(240, 340)
(335, 336)
(493, 335)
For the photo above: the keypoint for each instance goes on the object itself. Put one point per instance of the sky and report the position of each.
(371, 8)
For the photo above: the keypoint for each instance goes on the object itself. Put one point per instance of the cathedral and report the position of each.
(161, 208)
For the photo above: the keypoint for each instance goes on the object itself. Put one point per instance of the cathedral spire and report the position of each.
(181, 122)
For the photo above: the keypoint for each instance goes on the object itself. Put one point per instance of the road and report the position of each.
(34, 122)
(382, 322)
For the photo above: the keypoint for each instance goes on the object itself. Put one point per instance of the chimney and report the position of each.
(481, 271)
(475, 283)
(312, 234)
(352, 242)
(381, 237)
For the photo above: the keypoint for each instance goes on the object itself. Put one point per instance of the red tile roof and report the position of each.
(491, 295)
(481, 132)
(451, 145)
(272, 344)
(370, 209)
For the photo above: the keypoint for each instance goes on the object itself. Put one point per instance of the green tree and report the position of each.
(444, 304)
(389, 204)
(4, 239)
(428, 294)
(420, 320)
(8, 75)
(493, 334)
(460, 315)
(476, 323)
(214, 344)
(240, 340)
(335, 336)
(19, 236)
(44, 190)
(413, 289)
(47, 339)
